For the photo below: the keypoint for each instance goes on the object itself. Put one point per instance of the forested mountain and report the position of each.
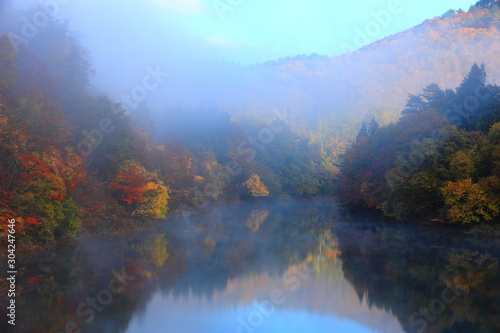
(439, 162)
(332, 96)
(70, 158)
(377, 78)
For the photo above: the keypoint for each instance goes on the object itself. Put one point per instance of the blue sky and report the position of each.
(248, 31)
(276, 28)
(126, 36)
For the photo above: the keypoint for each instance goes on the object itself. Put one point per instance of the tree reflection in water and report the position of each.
(353, 269)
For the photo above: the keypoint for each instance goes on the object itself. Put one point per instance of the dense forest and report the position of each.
(333, 95)
(440, 161)
(72, 159)
(171, 190)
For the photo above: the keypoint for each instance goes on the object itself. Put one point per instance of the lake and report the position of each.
(261, 268)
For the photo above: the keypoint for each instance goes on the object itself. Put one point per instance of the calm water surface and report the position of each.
(259, 268)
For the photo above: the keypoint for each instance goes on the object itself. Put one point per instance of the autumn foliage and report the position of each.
(140, 191)
(130, 183)
(46, 184)
(467, 202)
(256, 187)
(60, 173)
(440, 162)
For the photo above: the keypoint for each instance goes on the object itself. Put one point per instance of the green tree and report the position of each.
(433, 96)
(461, 166)
(474, 81)
(415, 104)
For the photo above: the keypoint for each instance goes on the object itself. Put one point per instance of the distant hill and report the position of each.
(332, 96)
(337, 93)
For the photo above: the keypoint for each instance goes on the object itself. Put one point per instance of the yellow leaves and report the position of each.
(461, 166)
(151, 186)
(332, 253)
(155, 200)
(142, 190)
(155, 252)
(467, 269)
(159, 253)
(467, 202)
(11, 137)
(256, 187)
(494, 134)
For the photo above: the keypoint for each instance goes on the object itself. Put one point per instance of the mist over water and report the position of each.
(250, 166)
(285, 267)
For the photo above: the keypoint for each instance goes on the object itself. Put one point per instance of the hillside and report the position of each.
(340, 91)
(439, 162)
(72, 160)
(332, 96)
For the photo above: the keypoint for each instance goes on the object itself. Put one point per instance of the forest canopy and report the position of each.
(72, 159)
(439, 162)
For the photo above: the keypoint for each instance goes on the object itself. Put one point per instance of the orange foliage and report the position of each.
(467, 202)
(32, 222)
(256, 187)
(60, 173)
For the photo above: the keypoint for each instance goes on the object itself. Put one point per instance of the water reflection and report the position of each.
(432, 281)
(287, 267)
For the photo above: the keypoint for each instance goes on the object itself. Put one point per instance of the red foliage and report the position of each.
(58, 197)
(130, 182)
(34, 167)
(134, 266)
(34, 279)
(38, 171)
(57, 173)
(32, 222)
(97, 204)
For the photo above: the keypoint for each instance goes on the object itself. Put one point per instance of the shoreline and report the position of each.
(372, 216)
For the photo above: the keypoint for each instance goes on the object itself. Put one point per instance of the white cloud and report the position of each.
(187, 7)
